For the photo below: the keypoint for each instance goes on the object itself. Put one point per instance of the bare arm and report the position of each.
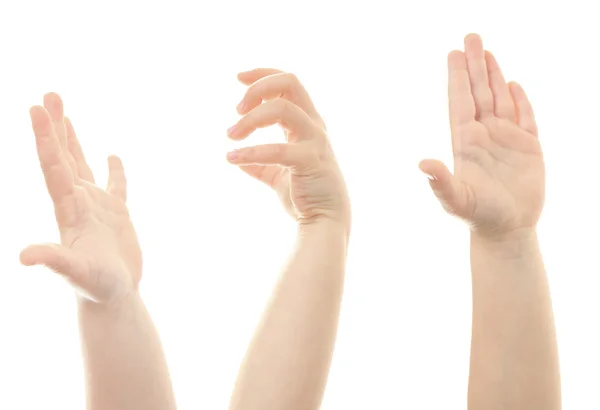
(287, 363)
(514, 358)
(124, 363)
(498, 188)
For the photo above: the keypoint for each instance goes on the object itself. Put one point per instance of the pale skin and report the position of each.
(100, 257)
(498, 188)
(287, 363)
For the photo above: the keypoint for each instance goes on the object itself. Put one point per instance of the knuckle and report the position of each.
(282, 107)
(279, 150)
(291, 79)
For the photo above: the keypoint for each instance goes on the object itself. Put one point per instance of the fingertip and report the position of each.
(114, 160)
(25, 257)
(241, 107)
(455, 54)
(243, 77)
(52, 98)
(40, 120)
(457, 60)
(233, 156)
(516, 91)
(435, 170)
(470, 37)
(514, 85)
(427, 166)
(36, 110)
(54, 105)
(234, 133)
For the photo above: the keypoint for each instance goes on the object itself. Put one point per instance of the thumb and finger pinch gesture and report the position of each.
(98, 251)
(304, 171)
(499, 179)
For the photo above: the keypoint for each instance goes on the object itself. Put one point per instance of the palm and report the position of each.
(502, 167)
(97, 227)
(99, 252)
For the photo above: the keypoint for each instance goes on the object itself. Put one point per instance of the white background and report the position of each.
(155, 83)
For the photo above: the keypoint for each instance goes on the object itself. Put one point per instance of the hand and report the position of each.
(99, 252)
(498, 182)
(303, 172)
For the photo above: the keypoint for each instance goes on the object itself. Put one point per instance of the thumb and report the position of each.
(446, 187)
(60, 259)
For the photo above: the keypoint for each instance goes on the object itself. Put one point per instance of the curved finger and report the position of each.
(117, 182)
(57, 172)
(480, 85)
(279, 111)
(282, 85)
(525, 115)
(460, 99)
(77, 152)
(503, 103)
(285, 155)
(54, 105)
(249, 77)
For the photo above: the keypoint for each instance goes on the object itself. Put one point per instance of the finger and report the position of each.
(57, 172)
(460, 99)
(503, 103)
(525, 116)
(279, 111)
(445, 186)
(480, 85)
(77, 152)
(282, 85)
(285, 155)
(249, 77)
(117, 182)
(263, 173)
(60, 259)
(54, 105)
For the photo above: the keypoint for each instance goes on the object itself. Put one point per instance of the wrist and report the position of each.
(324, 226)
(115, 307)
(510, 245)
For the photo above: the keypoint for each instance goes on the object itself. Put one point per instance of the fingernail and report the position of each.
(241, 106)
(232, 155)
(231, 131)
(429, 176)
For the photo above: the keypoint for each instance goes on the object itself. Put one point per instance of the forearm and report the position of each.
(125, 368)
(514, 358)
(287, 363)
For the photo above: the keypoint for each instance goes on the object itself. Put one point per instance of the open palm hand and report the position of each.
(99, 252)
(499, 179)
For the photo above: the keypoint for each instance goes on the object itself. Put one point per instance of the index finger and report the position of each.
(460, 98)
(54, 106)
(281, 85)
(57, 172)
(252, 76)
